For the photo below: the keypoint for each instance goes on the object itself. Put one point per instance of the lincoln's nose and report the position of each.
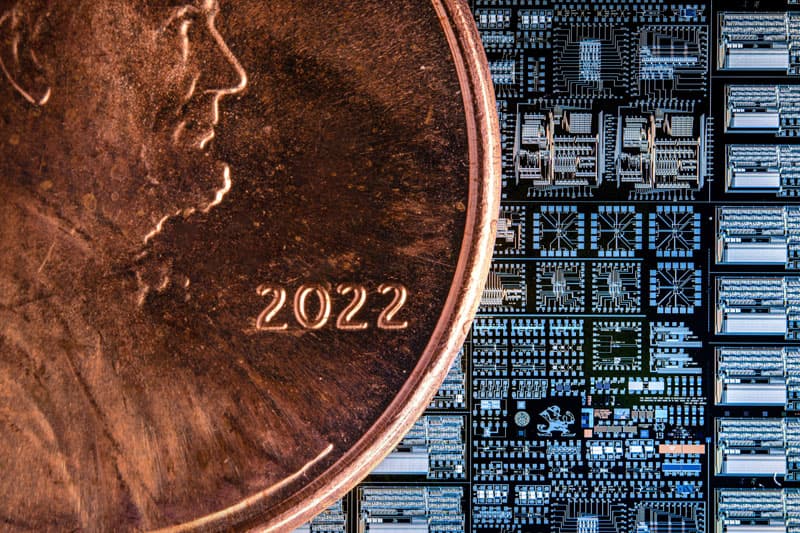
(221, 71)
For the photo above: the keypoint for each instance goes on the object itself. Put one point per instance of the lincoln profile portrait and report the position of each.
(108, 112)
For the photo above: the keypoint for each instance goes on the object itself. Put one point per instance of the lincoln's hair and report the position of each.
(18, 8)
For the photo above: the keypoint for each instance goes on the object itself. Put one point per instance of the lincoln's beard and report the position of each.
(154, 264)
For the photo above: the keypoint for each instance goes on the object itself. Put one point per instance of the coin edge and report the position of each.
(483, 133)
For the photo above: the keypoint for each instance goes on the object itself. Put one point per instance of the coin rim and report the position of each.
(483, 137)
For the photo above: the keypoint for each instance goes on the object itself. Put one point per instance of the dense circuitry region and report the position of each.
(635, 364)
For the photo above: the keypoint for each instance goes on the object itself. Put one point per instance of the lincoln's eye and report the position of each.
(179, 28)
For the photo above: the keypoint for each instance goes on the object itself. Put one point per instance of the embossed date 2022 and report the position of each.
(313, 307)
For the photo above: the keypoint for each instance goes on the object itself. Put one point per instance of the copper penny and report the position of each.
(242, 241)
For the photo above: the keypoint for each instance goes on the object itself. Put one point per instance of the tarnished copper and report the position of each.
(242, 242)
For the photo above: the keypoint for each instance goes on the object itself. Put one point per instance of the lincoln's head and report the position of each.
(108, 110)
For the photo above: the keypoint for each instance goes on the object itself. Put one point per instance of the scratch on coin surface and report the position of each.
(46, 258)
(251, 500)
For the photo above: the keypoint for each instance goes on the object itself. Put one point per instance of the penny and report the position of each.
(242, 241)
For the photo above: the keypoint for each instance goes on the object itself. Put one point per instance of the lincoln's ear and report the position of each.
(18, 59)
